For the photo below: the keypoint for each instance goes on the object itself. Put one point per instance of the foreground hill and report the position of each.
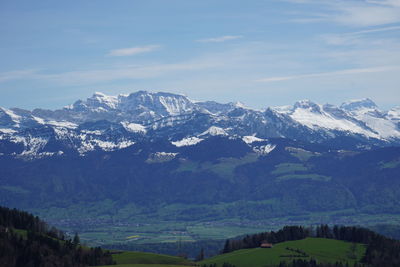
(143, 259)
(321, 249)
(323, 246)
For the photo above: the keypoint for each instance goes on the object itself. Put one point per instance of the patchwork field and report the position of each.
(121, 228)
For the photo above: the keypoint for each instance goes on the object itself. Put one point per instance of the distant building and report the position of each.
(266, 245)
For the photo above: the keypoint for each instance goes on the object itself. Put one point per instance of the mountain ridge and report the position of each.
(115, 122)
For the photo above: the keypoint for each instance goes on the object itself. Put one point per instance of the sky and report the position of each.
(261, 53)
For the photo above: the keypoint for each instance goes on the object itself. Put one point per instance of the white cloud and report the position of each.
(220, 39)
(326, 74)
(133, 50)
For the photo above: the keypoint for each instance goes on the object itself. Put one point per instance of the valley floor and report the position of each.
(110, 231)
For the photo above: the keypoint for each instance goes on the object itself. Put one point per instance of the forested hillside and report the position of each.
(25, 240)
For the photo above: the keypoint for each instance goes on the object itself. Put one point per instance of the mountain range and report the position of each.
(110, 123)
(164, 159)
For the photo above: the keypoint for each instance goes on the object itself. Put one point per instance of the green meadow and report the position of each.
(320, 249)
(144, 259)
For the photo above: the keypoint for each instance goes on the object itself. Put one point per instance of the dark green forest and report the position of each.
(26, 241)
(293, 180)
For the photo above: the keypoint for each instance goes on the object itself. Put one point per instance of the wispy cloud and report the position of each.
(385, 2)
(326, 74)
(354, 37)
(17, 75)
(353, 13)
(367, 15)
(220, 39)
(133, 50)
(119, 72)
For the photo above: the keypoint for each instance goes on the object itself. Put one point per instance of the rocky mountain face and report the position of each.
(110, 123)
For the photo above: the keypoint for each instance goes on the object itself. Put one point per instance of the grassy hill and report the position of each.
(142, 265)
(144, 259)
(321, 249)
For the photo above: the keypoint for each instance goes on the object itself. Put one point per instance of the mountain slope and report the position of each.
(289, 176)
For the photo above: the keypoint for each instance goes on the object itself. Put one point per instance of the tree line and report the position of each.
(288, 233)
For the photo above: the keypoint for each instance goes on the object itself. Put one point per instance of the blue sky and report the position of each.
(262, 53)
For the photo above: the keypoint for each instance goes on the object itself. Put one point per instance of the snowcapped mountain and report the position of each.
(115, 122)
(328, 118)
(380, 122)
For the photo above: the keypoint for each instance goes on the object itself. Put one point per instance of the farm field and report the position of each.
(191, 231)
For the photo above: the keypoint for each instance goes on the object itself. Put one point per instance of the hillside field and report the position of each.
(143, 259)
(321, 249)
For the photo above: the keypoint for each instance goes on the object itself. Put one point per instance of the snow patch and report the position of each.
(190, 141)
(161, 157)
(14, 117)
(95, 132)
(134, 127)
(394, 114)
(250, 139)
(213, 131)
(39, 120)
(63, 124)
(90, 145)
(283, 109)
(7, 130)
(264, 150)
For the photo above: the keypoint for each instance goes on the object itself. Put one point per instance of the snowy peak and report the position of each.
(328, 118)
(354, 105)
(103, 100)
(148, 104)
(115, 122)
(143, 101)
(98, 102)
(214, 131)
(308, 105)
